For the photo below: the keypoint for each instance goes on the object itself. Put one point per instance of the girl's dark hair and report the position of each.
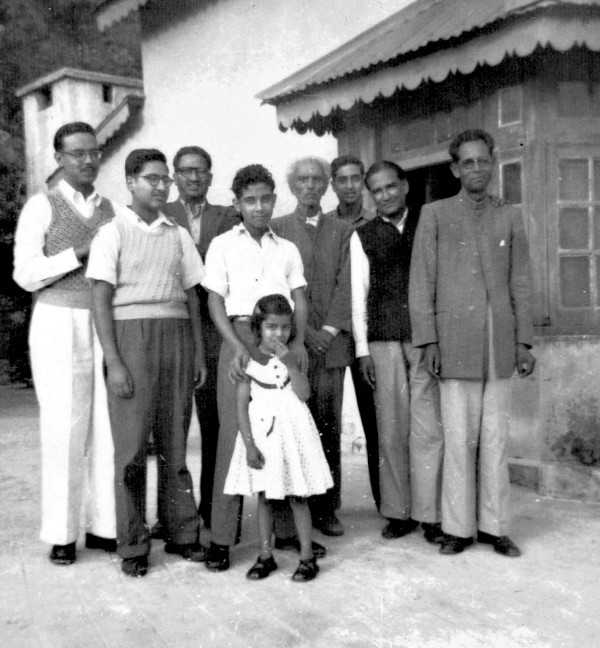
(269, 305)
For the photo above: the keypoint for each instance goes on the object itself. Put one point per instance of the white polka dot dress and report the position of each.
(285, 432)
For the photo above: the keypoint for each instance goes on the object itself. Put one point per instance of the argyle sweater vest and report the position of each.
(389, 253)
(69, 229)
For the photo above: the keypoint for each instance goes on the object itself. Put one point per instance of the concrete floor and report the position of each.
(371, 591)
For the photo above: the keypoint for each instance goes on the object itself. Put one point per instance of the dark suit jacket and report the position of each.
(216, 219)
(325, 255)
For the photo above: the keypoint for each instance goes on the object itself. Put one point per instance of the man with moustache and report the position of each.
(348, 183)
(406, 396)
(52, 243)
(470, 309)
(323, 242)
(193, 176)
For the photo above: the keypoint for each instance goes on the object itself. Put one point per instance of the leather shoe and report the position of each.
(453, 544)
(96, 542)
(261, 568)
(307, 570)
(331, 527)
(217, 558)
(63, 554)
(503, 545)
(193, 552)
(157, 532)
(293, 544)
(398, 528)
(135, 567)
(432, 532)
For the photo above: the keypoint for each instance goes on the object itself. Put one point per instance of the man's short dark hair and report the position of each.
(139, 157)
(345, 160)
(472, 135)
(251, 175)
(192, 150)
(70, 129)
(384, 165)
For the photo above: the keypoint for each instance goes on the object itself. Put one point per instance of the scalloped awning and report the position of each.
(344, 77)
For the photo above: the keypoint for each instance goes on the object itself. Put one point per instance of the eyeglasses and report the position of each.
(469, 164)
(155, 180)
(189, 172)
(79, 155)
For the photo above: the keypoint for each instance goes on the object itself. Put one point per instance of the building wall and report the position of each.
(203, 64)
(72, 100)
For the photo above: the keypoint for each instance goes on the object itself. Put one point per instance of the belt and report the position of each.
(240, 318)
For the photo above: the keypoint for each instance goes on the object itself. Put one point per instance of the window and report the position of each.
(578, 240)
(510, 105)
(107, 93)
(511, 183)
(45, 97)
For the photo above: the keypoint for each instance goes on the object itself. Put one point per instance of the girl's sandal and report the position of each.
(261, 568)
(307, 570)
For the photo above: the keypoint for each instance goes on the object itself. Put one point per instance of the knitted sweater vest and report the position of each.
(389, 254)
(69, 229)
(149, 273)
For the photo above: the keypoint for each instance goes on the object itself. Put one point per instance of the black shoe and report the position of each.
(194, 552)
(63, 554)
(135, 567)
(261, 568)
(432, 532)
(217, 557)
(398, 528)
(330, 527)
(503, 545)
(96, 542)
(293, 544)
(307, 570)
(453, 544)
(157, 532)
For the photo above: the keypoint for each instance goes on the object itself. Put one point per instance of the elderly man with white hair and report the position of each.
(323, 242)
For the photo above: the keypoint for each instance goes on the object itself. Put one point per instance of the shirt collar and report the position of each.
(136, 219)
(241, 229)
(401, 224)
(75, 196)
(188, 207)
(475, 205)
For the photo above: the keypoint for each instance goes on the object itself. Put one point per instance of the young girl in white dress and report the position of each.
(278, 452)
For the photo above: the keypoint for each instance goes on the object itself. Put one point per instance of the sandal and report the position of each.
(261, 568)
(307, 570)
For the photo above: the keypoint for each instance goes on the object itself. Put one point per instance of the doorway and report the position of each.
(427, 184)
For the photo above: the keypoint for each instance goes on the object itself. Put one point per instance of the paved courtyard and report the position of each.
(371, 591)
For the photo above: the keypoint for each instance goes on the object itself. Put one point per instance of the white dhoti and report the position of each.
(76, 441)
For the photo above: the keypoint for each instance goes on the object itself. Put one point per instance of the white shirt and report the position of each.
(242, 271)
(360, 272)
(34, 270)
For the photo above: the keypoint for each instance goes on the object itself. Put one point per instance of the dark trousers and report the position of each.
(158, 354)
(208, 417)
(368, 417)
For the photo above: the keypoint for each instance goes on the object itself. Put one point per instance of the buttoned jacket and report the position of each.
(216, 219)
(325, 255)
(465, 260)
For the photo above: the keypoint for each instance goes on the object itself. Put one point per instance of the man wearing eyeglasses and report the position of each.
(193, 176)
(52, 243)
(470, 309)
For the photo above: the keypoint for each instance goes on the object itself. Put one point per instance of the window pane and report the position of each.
(573, 180)
(574, 281)
(511, 183)
(596, 179)
(597, 228)
(573, 228)
(511, 100)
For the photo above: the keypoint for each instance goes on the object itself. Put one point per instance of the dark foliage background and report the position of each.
(37, 37)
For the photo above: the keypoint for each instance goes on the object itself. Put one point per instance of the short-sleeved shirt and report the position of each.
(242, 271)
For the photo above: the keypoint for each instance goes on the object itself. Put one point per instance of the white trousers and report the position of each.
(77, 447)
(409, 433)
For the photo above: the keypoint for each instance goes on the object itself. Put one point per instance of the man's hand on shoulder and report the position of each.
(525, 361)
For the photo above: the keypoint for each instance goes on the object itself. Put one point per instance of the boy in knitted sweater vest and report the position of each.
(144, 269)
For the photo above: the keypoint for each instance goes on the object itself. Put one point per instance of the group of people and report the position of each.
(139, 309)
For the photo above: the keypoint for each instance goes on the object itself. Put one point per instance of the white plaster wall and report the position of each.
(201, 76)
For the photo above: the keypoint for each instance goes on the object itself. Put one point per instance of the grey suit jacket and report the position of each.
(462, 262)
(325, 255)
